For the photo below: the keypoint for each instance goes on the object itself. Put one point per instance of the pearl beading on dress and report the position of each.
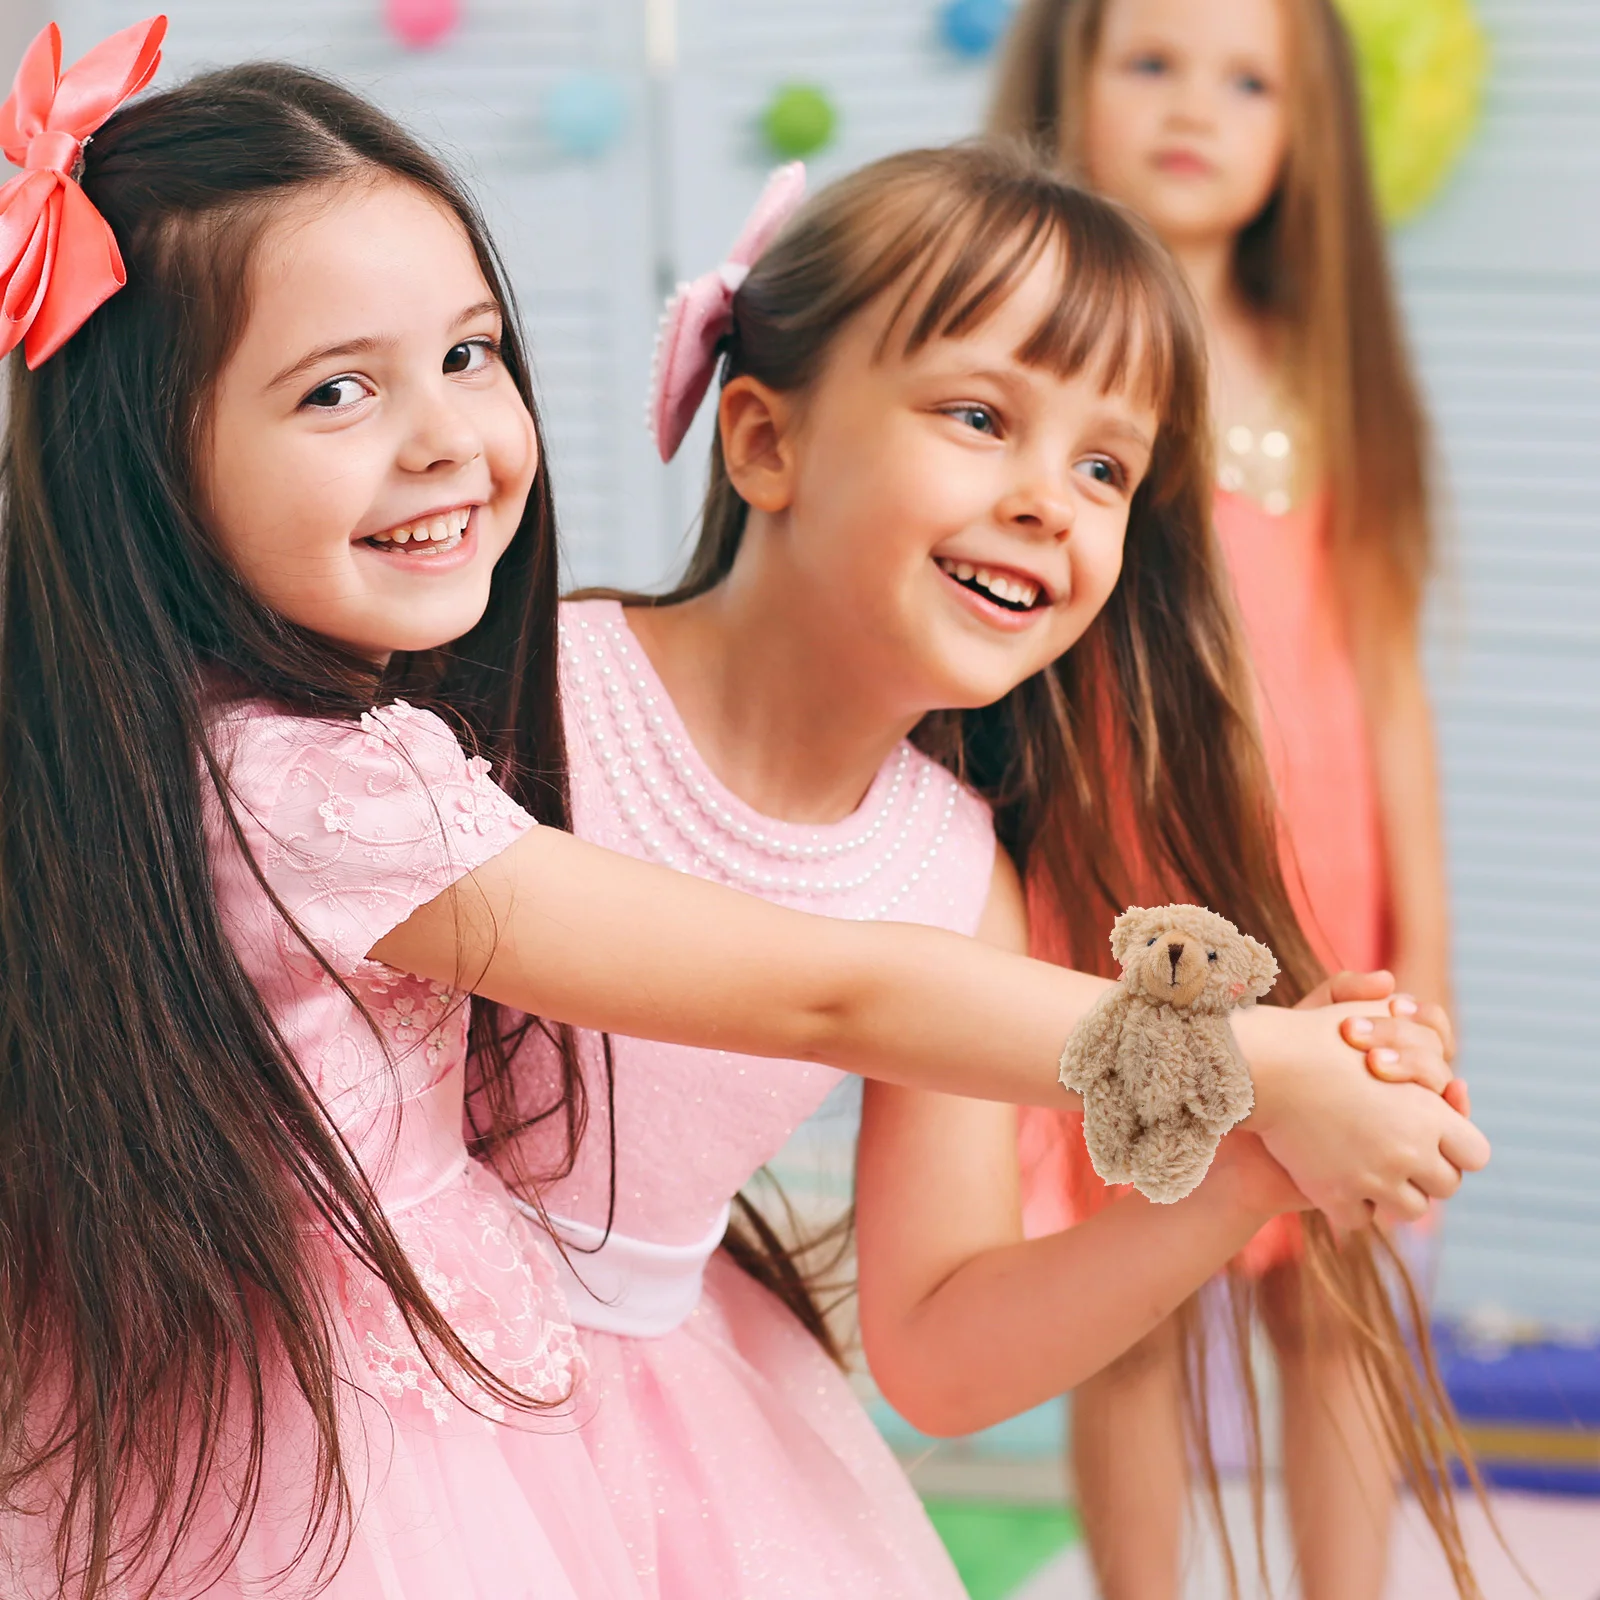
(631, 732)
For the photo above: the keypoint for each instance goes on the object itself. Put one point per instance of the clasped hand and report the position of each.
(1371, 1123)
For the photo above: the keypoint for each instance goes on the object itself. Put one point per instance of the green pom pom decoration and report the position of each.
(1423, 65)
(799, 121)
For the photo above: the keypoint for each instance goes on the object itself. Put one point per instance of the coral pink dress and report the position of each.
(1314, 727)
(738, 1460)
(353, 828)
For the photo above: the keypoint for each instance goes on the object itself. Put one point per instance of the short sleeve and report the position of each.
(364, 824)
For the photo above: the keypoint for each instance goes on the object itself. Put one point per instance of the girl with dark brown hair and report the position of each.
(1234, 128)
(278, 719)
(955, 589)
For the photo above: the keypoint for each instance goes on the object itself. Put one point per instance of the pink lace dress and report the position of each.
(738, 1460)
(353, 828)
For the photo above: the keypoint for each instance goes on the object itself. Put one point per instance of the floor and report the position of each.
(1556, 1540)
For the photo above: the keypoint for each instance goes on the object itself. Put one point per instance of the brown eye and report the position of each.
(469, 356)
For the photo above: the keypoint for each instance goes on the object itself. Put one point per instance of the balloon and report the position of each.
(1423, 65)
(584, 112)
(420, 23)
(799, 120)
(973, 28)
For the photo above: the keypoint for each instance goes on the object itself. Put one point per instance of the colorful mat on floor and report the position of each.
(997, 1548)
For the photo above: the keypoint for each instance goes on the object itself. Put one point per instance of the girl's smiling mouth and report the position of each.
(995, 592)
(427, 537)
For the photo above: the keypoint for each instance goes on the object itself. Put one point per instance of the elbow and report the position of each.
(937, 1398)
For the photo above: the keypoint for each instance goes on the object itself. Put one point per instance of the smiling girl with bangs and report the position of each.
(955, 588)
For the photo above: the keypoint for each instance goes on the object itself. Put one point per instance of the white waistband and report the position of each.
(617, 1284)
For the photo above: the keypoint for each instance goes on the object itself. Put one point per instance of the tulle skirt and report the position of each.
(739, 1462)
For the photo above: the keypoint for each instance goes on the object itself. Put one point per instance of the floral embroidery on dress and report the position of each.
(354, 828)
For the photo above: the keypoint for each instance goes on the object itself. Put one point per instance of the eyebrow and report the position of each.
(367, 344)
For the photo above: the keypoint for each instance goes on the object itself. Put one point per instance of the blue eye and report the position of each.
(1251, 84)
(335, 394)
(1148, 65)
(979, 418)
(1102, 469)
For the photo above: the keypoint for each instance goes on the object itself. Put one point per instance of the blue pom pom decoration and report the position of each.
(972, 28)
(584, 113)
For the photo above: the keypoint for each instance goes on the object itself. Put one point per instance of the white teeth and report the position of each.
(1014, 591)
(383, 538)
(402, 535)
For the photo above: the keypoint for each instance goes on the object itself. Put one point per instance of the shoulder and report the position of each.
(395, 773)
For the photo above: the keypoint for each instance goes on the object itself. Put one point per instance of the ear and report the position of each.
(756, 424)
(1126, 931)
(1263, 966)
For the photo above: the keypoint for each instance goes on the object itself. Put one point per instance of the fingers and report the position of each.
(1464, 1146)
(1348, 986)
(1345, 986)
(1437, 1018)
(1410, 1204)
(1457, 1097)
(1399, 1050)
(1437, 1178)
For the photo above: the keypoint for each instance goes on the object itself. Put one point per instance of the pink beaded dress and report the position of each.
(354, 827)
(738, 1460)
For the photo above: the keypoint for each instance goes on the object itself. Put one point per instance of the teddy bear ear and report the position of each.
(1126, 931)
(1263, 966)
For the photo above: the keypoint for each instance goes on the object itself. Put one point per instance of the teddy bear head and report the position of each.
(1190, 958)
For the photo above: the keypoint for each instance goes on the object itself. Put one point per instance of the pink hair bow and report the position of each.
(701, 313)
(59, 260)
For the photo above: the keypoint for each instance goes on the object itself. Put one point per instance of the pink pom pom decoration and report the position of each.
(420, 23)
(700, 314)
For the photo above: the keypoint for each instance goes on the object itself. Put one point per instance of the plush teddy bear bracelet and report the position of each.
(1155, 1060)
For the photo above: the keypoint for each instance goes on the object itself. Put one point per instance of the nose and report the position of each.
(440, 436)
(1038, 509)
(1175, 955)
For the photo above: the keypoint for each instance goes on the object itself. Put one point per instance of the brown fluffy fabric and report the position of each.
(1156, 1063)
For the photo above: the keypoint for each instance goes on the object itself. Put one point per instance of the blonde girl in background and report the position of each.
(1233, 127)
(955, 615)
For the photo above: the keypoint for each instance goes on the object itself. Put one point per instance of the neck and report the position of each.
(1207, 262)
(773, 698)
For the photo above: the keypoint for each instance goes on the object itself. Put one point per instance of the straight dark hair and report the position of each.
(162, 1153)
(1129, 770)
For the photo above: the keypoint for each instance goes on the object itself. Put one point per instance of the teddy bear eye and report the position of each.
(1148, 943)
(1212, 956)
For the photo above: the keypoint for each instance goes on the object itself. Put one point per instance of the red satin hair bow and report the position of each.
(59, 260)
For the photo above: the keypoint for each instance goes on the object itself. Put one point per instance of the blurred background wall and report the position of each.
(1502, 281)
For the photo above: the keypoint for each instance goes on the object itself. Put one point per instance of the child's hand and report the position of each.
(1395, 1050)
(1248, 1177)
(1353, 1145)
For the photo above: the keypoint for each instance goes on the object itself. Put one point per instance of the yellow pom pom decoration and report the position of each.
(1423, 65)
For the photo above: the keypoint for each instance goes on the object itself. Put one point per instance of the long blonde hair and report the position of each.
(1131, 765)
(1314, 261)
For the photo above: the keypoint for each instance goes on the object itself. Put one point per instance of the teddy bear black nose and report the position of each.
(1175, 955)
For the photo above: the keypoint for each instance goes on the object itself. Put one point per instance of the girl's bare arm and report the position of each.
(565, 929)
(950, 1287)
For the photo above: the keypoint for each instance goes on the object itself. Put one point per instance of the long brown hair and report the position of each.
(162, 1304)
(1130, 768)
(1314, 262)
